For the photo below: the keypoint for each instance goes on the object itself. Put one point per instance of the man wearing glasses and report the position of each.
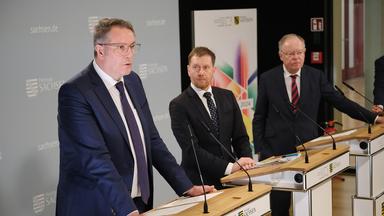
(108, 140)
(284, 94)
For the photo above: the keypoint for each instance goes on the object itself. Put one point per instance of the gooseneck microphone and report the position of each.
(205, 211)
(314, 122)
(293, 132)
(229, 153)
(350, 87)
(361, 114)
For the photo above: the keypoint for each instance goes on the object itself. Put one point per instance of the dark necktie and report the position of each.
(294, 93)
(137, 144)
(212, 111)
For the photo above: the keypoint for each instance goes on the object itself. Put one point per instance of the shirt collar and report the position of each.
(287, 74)
(199, 91)
(109, 82)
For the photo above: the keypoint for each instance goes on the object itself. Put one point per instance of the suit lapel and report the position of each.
(304, 88)
(220, 104)
(106, 99)
(196, 101)
(280, 81)
(132, 95)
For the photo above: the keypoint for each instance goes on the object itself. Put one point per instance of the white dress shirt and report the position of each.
(110, 83)
(288, 82)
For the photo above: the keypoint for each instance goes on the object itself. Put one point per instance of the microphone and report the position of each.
(350, 87)
(229, 153)
(366, 120)
(293, 132)
(314, 122)
(199, 170)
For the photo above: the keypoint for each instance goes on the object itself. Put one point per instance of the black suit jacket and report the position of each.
(186, 109)
(274, 123)
(378, 90)
(96, 162)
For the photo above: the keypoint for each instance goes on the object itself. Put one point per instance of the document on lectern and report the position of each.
(278, 160)
(325, 137)
(180, 204)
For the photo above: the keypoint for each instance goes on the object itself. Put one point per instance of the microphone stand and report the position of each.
(314, 122)
(366, 120)
(350, 87)
(205, 211)
(296, 136)
(230, 154)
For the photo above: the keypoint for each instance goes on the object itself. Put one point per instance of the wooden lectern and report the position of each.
(232, 202)
(309, 182)
(368, 149)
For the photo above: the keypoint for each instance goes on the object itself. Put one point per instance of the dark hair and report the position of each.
(201, 51)
(104, 26)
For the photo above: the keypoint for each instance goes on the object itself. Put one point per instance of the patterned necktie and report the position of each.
(212, 111)
(137, 144)
(294, 93)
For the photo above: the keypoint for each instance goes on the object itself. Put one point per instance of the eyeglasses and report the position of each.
(198, 67)
(123, 48)
(293, 53)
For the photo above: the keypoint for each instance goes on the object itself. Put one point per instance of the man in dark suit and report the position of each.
(108, 140)
(378, 90)
(276, 121)
(218, 109)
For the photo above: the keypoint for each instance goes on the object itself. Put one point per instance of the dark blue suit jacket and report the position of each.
(274, 123)
(96, 163)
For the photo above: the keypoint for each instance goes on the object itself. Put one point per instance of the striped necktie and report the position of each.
(294, 93)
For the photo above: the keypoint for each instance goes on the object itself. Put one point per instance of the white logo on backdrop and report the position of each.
(226, 21)
(159, 22)
(92, 22)
(150, 69)
(160, 117)
(44, 29)
(32, 87)
(38, 203)
(41, 201)
(36, 86)
(48, 145)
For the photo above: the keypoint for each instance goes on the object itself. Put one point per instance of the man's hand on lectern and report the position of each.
(197, 190)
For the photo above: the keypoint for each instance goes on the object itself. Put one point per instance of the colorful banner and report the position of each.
(232, 36)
